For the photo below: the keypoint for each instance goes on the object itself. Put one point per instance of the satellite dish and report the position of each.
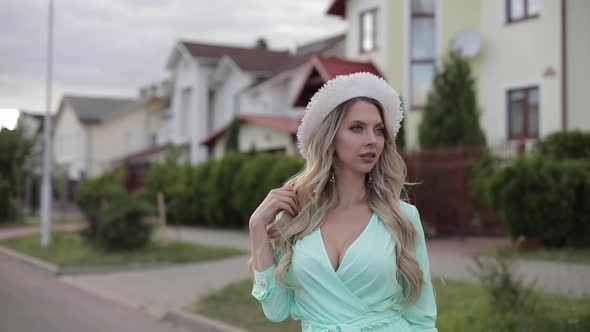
(467, 42)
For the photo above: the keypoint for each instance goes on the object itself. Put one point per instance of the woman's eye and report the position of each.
(354, 129)
(381, 130)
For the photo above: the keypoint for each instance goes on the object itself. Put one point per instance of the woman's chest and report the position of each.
(369, 260)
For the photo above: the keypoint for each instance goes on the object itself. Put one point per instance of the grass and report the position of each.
(561, 255)
(32, 220)
(461, 307)
(69, 249)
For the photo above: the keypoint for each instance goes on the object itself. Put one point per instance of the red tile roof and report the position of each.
(325, 69)
(338, 8)
(332, 67)
(283, 124)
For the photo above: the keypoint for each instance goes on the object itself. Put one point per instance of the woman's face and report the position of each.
(360, 138)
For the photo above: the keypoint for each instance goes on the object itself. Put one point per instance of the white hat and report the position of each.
(342, 88)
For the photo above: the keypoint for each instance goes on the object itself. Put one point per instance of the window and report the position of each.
(185, 106)
(127, 139)
(523, 113)
(422, 51)
(520, 10)
(368, 30)
(210, 110)
(153, 139)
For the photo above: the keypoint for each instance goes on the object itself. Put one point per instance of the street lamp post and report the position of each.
(46, 192)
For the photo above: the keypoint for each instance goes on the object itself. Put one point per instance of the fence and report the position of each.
(444, 195)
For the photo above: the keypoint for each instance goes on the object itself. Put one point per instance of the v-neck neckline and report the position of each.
(327, 256)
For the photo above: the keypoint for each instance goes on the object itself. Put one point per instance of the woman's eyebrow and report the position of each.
(363, 123)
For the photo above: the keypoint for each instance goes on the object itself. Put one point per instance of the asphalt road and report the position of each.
(32, 301)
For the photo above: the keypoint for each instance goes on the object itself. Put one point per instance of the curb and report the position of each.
(56, 270)
(40, 265)
(199, 323)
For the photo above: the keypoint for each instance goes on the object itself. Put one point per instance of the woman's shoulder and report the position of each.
(407, 208)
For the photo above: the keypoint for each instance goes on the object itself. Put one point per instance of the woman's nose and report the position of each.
(371, 137)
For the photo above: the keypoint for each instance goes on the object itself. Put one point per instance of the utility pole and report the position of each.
(46, 192)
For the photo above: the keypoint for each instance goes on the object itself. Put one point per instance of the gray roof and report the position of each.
(99, 109)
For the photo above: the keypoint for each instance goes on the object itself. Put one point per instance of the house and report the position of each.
(87, 138)
(267, 109)
(206, 80)
(529, 57)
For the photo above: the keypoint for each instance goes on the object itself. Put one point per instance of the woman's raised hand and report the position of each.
(283, 198)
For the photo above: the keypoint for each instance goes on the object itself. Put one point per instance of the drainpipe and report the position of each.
(564, 65)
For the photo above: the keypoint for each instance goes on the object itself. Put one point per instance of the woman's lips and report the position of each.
(368, 157)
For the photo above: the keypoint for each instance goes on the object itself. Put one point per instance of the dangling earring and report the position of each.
(332, 180)
(370, 179)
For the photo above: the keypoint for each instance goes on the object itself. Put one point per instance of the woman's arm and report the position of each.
(422, 315)
(276, 300)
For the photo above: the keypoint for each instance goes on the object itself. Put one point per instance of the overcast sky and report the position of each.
(111, 47)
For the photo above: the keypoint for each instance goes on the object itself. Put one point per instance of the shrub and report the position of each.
(220, 189)
(93, 194)
(506, 291)
(543, 198)
(282, 170)
(169, 178)
(565, 145)
(513, 303)
(250, 187)
(190, 204)
(121, 227)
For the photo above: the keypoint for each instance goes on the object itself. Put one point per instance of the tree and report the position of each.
(451, 115)
(233, 133)
(14, 149)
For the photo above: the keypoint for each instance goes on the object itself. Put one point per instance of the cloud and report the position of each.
(115, 46)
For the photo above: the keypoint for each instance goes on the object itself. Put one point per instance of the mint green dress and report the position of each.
(361, 295)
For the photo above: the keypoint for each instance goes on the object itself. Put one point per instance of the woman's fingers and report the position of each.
(286, 207)
(289, 201)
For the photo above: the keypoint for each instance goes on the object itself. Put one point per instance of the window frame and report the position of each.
(526, 113)
(420, 61)
(374, 11)
(526, 15)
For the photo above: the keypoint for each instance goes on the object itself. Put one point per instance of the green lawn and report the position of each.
(562, 255)
(461, 306)
(32, 220)
(68, 249)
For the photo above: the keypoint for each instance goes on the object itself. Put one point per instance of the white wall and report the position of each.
(353, 10)
(119, 137)
(263, 138)
(276, 96)
(69, 145)
(185, 76)
(516, 55)
(225, 96)
(578, 58)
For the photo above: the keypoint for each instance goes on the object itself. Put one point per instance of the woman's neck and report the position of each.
(351, 187)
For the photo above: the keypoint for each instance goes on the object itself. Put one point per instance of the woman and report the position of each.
(335, 247)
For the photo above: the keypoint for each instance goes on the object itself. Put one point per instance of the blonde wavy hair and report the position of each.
(316, 196)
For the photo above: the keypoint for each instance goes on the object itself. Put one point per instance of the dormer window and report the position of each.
(368, 30)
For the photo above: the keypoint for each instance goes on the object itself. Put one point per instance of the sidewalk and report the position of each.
(449, 259)
(160, 290)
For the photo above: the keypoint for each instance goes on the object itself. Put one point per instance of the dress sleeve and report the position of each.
(276, 300)
(422, 315)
